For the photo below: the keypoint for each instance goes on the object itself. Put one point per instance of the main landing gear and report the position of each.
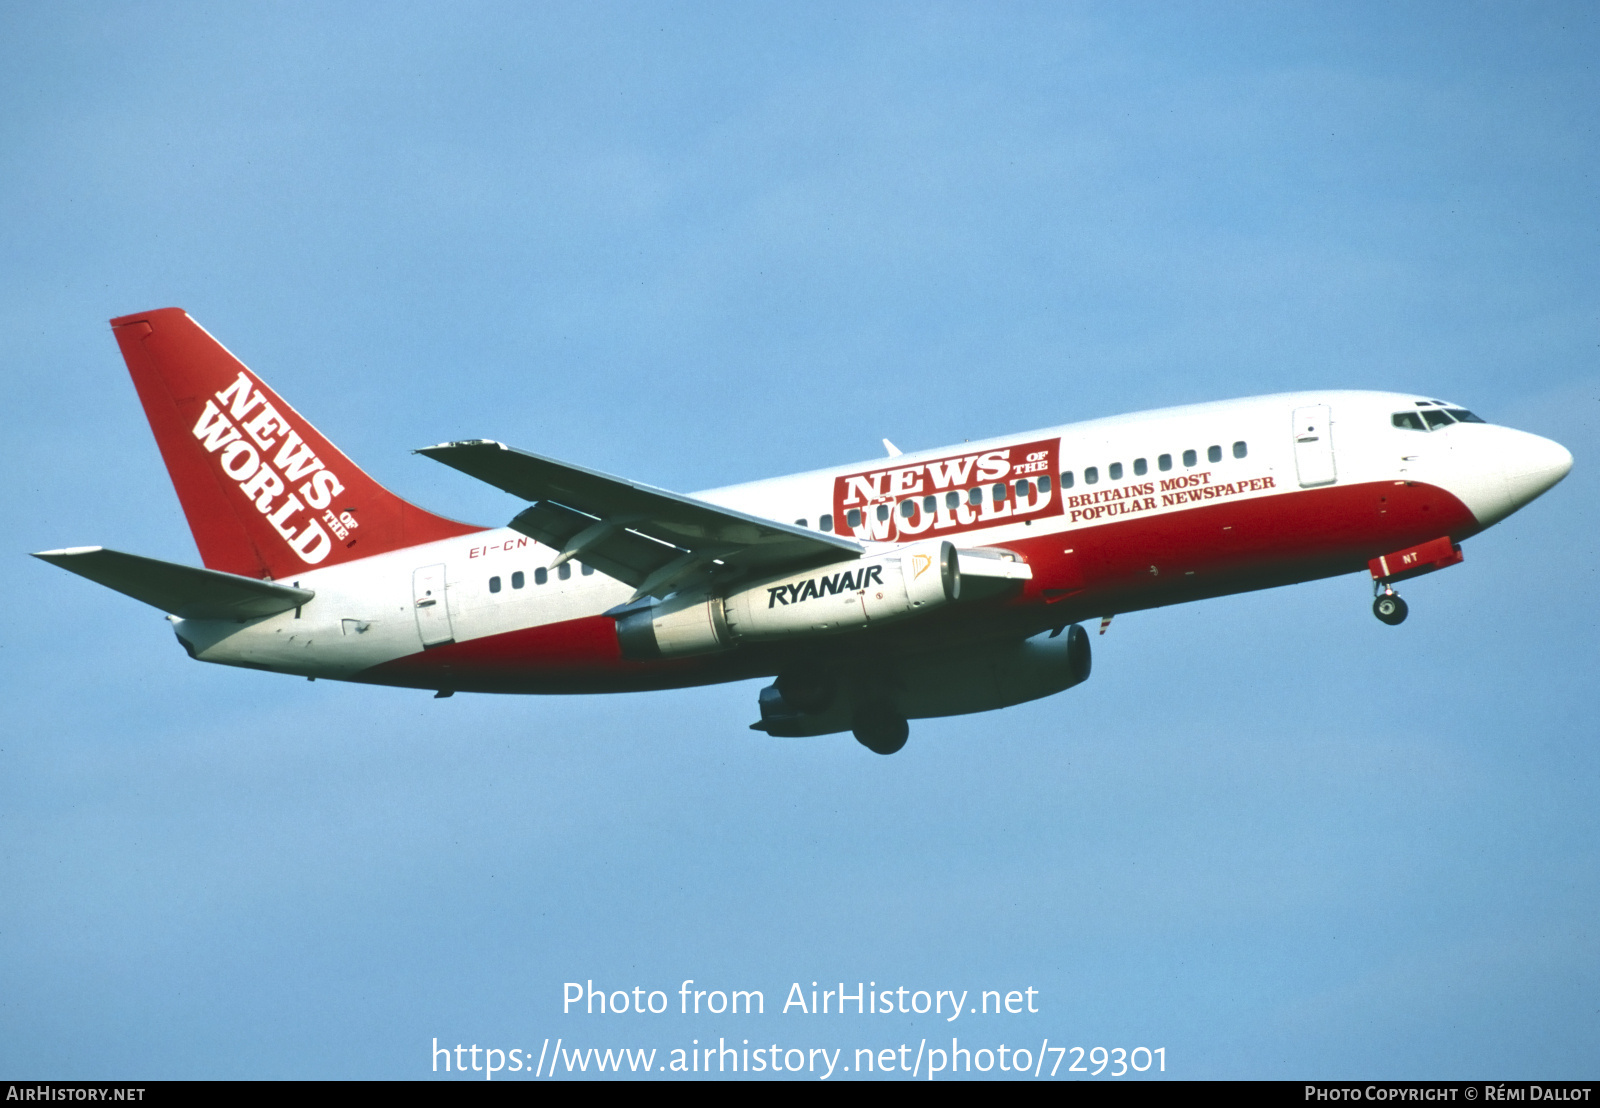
(880, 729)
(1388, 606)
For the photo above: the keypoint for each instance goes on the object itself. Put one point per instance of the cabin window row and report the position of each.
(1141, 466)
(999, 491)
(540, 576)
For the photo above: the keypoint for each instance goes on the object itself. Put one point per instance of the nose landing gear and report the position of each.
(1388, 606)
(1403, 565)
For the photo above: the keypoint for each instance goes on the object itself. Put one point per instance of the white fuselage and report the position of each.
(1118, 490)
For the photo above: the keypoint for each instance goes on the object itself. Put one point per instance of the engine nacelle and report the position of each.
(830, 599)
(947, 683)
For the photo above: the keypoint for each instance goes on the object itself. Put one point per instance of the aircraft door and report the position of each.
(433, 613)
(1313, 446)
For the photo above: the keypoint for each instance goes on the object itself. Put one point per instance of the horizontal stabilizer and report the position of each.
(184, 591)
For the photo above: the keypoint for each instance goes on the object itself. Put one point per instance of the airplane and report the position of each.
(920, 584)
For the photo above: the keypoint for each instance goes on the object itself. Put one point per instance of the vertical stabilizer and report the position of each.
(265, 494)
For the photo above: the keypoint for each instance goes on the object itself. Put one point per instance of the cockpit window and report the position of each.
(1431, 419)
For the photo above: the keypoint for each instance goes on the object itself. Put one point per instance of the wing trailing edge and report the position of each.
(646, 537)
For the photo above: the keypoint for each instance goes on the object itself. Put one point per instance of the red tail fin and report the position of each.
(265, 494)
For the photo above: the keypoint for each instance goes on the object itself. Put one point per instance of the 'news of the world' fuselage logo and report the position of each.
(245, 460)
(949, 495)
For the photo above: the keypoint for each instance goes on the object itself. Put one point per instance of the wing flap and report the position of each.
(622, 554)
(185, 591)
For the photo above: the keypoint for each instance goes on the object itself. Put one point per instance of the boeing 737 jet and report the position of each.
(923, 584)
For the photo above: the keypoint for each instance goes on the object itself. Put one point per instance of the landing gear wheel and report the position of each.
(1390, 608)
(881, 730)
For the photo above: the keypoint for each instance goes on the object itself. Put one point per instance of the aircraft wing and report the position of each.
(186, 591)
(650, 538)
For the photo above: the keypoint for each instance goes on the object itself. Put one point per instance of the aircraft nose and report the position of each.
(1539, 463)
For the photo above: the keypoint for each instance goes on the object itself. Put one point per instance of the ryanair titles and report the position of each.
(848, 581)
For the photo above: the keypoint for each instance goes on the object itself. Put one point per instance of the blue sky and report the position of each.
(702, 243)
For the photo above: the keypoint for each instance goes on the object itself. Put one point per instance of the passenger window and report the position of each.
(1044, 483)
(588, 570)
(952, 499)
(998, 493)
(907, 507)
(1115, 470)
(1090, 475)
(930, 503)
(540, 576)
(1024, 487)
(1436, 419)
(1190, 457)
(1240, 450)
(1066, 479)
(799, 523)
(825, 522)
(1140, 467)
(1164, 462)
(1464, 416)
(883, 512)
(1213, 453)
(852, 518)
(517, 580)
(565, 572)
(494, 584)
(974, 497)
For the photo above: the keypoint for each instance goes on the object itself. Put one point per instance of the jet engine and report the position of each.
(838, 597)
